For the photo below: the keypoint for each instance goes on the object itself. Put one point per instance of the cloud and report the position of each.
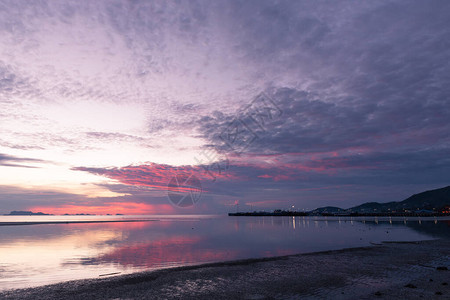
(16, 198)
(156, 176)
(390, 138)
(132, 91)
(12, 161)
(9, 80)
(132, 201)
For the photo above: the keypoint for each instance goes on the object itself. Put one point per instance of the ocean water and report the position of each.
(33, 255)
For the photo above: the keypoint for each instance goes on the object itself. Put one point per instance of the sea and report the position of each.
(51, 252)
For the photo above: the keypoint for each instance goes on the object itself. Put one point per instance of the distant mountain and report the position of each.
(374, 207)
(25, 213)
(429, 200)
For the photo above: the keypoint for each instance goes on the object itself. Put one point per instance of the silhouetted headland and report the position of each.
(426, 204)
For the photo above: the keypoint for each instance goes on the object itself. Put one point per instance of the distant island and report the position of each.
(430, 203)
(26, 213)
(81, 214)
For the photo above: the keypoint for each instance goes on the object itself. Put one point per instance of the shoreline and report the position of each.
(72, 222)
(309, 214)
(333, 218)
(389, 270)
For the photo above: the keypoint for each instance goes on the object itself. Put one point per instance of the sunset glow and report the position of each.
(272, 103)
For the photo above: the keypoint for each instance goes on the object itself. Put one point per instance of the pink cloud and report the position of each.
(156, 175)
(265, 176)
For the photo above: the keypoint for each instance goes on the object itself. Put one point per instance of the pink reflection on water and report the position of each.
(170, 251)
(34, 255)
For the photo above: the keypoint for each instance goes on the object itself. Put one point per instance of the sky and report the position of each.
(191, 107)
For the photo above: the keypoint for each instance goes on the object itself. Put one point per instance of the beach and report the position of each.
(393, 270)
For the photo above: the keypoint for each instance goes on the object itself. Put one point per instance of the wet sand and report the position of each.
(404, 270)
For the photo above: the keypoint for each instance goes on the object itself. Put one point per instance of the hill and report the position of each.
(428, 200)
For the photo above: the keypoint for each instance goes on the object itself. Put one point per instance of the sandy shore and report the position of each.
(412, 270)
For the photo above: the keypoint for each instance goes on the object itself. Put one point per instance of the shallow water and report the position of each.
(34, 255)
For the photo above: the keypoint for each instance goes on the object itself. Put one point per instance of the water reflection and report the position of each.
(41, 254)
